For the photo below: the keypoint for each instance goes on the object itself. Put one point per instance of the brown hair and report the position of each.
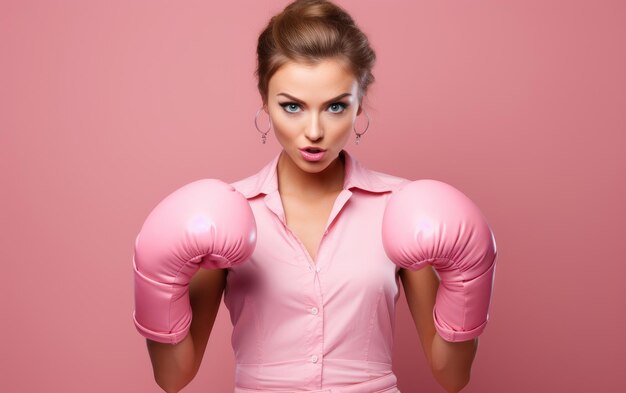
(309, 31)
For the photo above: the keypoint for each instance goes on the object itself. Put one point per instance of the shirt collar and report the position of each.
(356, 176)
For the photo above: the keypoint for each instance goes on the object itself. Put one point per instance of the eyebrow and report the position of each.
(326, 102)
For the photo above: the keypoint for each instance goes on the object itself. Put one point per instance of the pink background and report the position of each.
(106, 107)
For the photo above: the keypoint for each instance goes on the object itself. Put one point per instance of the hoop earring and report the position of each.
(358, 134)
(264, 136)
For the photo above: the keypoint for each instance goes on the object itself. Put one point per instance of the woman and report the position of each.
(310, 283)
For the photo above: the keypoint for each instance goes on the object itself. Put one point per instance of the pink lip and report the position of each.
(312, 156)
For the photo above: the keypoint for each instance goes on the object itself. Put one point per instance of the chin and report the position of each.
(313, 167)
(317, 169)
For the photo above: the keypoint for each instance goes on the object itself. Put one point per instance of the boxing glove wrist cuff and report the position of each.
(166, 338)
(162, 311)
(451, 335)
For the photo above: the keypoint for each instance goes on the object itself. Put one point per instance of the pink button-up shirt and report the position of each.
(327, 325)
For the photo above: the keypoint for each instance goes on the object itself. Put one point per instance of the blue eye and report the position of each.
(341, 105)
(290, 107)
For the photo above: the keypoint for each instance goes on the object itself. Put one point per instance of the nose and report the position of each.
(314, 131)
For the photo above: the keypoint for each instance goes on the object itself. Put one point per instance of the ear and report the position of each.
(360, 99)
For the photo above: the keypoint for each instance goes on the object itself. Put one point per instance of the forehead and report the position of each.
(302, 79)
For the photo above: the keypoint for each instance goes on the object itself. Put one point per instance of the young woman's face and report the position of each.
(313, 106)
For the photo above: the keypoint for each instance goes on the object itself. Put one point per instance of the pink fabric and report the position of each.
(384, 384)
(315, 326)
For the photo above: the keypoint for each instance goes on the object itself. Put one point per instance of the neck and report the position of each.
(294, 181)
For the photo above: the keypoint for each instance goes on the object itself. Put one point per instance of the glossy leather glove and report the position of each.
(206, 223)
(429, 222)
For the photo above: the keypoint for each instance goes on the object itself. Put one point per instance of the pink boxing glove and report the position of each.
(206, 223)
(428, 222)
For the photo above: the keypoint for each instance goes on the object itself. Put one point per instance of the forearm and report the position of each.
(451, 362)
(172, 364)
(176, 365)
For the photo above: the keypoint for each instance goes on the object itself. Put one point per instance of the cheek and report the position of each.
(343, 127)
(279, 123)
(283, 128)
(346, 134)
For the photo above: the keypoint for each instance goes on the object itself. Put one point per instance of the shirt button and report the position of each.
(314, 311)
(314, 359)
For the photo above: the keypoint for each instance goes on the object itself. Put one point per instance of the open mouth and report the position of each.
(312, 154)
